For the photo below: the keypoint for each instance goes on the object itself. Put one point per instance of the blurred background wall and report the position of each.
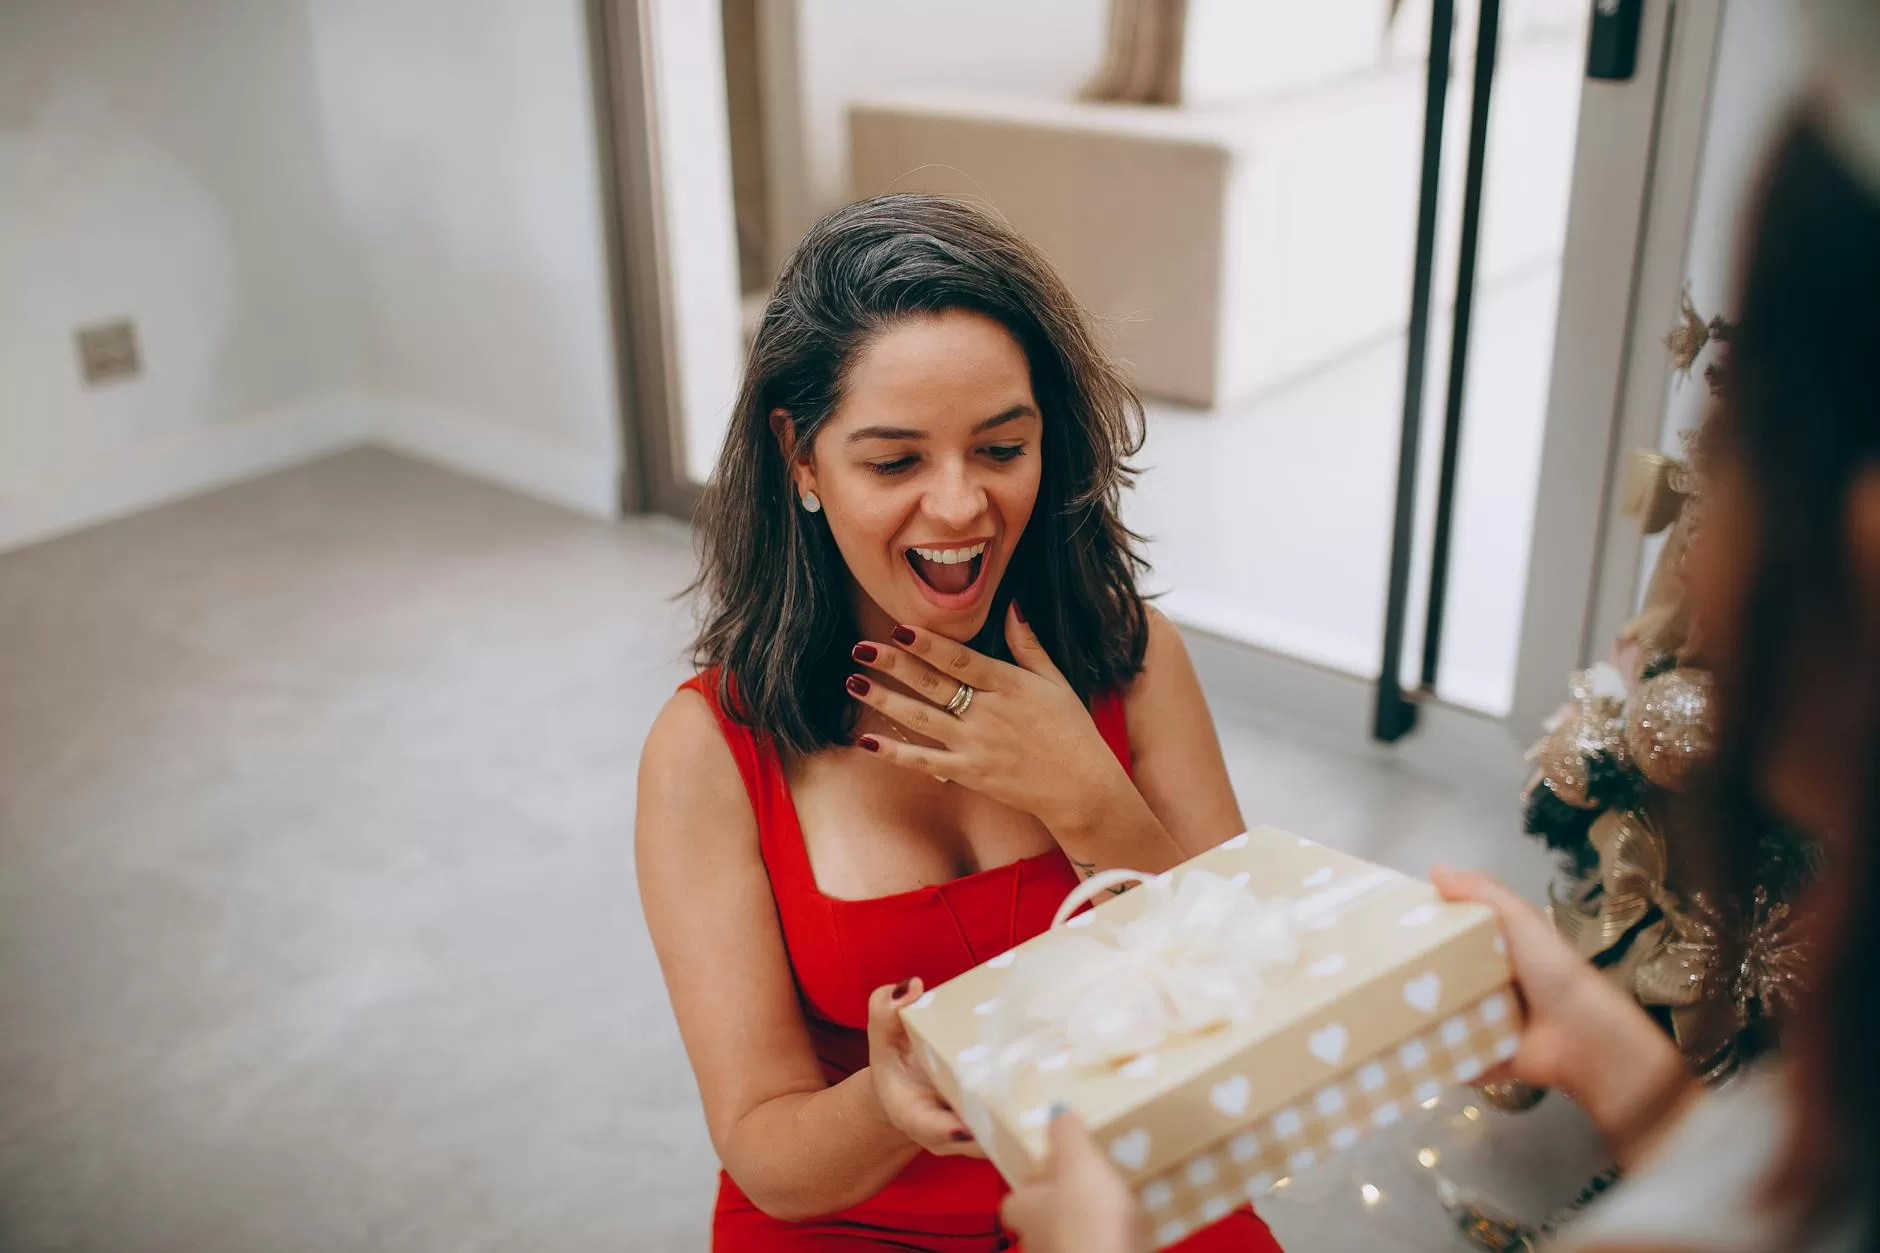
(327, 220)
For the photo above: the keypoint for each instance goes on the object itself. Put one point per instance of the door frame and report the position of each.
(1629, 221)
(638, 259)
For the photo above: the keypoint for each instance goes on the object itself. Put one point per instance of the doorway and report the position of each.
(1269, 511)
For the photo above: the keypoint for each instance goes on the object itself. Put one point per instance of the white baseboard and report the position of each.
(143, 475)
(563, 475)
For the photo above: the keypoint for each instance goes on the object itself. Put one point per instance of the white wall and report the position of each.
(330, 219)
(161, 160)
(460, 144)
(854, 48)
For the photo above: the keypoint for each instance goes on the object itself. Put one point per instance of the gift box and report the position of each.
(1226, 1024)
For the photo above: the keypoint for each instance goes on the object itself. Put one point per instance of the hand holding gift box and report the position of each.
(1235, 1020)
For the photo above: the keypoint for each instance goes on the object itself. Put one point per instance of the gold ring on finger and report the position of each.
(961, 702)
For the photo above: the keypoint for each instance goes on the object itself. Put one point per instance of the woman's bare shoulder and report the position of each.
(1164, 658)
(691, 796)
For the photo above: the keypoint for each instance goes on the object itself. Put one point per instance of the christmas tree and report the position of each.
(1612, 794)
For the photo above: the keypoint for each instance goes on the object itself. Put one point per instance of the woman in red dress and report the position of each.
(930, 700)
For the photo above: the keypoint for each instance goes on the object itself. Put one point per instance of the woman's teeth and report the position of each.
(949, 556)
(948, 570)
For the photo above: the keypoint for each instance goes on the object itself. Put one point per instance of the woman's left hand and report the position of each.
(1024, 740)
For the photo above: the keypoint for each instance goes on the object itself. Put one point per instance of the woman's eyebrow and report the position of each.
(862, 434)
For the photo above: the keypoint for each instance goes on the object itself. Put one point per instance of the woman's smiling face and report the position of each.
(928, 471)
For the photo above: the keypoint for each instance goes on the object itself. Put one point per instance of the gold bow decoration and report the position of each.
(1688, 339)
(1629, 883)
(1677, 958)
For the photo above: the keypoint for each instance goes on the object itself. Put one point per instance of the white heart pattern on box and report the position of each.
(926, 999)
(986, 1008)
(1131, 1151)
(1003, 959)
(1319, 877)
(1230, 1096)
(1327, 965)
(1424, 991)
(1421, 916)
(1056, 1061)
(1239, 841)
(1328, 1043)
(1141, 1068)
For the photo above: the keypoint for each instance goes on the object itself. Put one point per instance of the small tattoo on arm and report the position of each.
(1087, 869)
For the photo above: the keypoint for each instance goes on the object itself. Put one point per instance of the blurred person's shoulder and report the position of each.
(1701, 1190)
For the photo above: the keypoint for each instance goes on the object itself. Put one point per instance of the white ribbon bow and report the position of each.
(1195, 957)
(1191, 960)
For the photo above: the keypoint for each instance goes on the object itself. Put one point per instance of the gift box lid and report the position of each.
(1380, 959)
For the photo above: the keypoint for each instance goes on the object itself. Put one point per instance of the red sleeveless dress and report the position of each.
(841, 951)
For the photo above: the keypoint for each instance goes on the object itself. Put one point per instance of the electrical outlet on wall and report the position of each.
(107, 352)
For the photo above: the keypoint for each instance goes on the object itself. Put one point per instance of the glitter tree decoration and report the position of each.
(1611, 793)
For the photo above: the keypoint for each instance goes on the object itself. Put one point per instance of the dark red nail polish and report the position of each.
(864, 653)
(904, 636)
(961, 1137)
(858, 685)
(900, 989)
(1020, 611)
(870, 743)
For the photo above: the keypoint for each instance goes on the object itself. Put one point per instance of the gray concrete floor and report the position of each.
(318, 923)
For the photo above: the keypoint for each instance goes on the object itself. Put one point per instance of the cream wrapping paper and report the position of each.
(1390, 993)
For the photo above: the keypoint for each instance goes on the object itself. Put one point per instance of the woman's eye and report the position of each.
(893, 467)
(1005, 452)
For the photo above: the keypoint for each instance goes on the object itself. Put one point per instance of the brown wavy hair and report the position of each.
(776, 618)
(1801, 416)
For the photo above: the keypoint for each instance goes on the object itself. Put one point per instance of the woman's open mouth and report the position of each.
(951, 572)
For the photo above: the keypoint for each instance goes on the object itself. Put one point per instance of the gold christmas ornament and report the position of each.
(1594, 725)
(1669, 726)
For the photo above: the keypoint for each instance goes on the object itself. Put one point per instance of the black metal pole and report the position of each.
(1394, 715)
(1486, 33)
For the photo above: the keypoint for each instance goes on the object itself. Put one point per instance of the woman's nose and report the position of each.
(956, 499)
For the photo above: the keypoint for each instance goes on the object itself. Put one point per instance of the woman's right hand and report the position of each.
(906, 1094)
(1583, 1034)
